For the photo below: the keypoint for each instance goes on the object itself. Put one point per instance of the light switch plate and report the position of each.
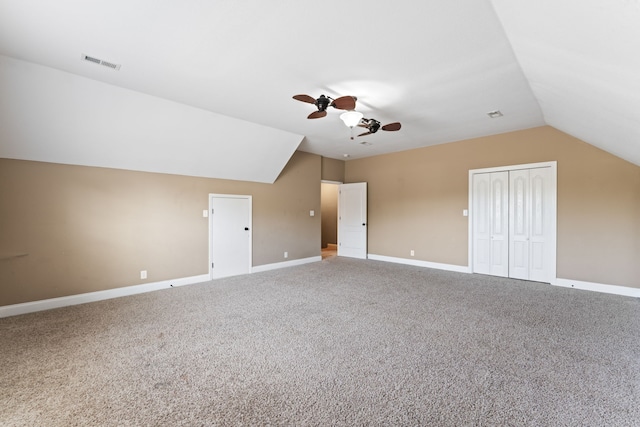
(312, 213)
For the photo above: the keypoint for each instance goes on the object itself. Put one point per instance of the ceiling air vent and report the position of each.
(100, 62)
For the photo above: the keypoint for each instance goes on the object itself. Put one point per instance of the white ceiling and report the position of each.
(231, 68)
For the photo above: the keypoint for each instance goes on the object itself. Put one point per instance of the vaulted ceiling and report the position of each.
(205, 88)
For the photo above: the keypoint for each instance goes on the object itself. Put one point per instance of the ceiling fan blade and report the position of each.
(344, 103)
(317, 115)
(366, 133)
(392, 126)
(305, 98)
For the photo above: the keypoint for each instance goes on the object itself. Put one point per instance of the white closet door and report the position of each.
(230, 238)
(481, 223)
(519, 227)
(500, 224)
(541, 241)
(513, 223)
(530, 231)
(491, 223)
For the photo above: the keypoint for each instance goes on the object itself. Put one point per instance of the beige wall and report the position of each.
(89, 229)
(329, 201)
(416, 200)
(332, 170)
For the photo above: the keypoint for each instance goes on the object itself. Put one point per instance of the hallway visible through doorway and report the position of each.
(329, 211)
(330, 251)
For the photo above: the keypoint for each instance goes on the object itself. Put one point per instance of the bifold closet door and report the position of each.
(530, 224)
(491, 223)
(513, 224)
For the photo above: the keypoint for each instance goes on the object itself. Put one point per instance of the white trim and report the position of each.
(284, 264)
(515, 167)
(326, 181)
(418, 263)
(567, 283)
(48, 304)
(598, 287)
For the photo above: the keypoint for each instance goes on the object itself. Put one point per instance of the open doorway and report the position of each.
(329, 214)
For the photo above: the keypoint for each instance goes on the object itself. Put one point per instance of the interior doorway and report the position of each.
(329, 215)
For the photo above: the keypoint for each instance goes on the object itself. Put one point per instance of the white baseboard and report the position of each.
(598, 287)
(568, 283)
(47, 304)
(418, 263)
(34, 306)
(277, 265)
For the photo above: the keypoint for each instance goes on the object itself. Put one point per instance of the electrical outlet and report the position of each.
(286, 254)
(413, 253)
(143, 274)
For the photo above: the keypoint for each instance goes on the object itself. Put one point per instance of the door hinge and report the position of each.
(211, 265)
(211, 211)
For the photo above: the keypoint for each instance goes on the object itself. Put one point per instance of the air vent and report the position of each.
(100, 62)
(494, 114)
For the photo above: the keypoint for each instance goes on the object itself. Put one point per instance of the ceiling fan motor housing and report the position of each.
(374, 125)
(322, 103)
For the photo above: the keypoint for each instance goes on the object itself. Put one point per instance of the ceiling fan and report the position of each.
(322, 103)
(372, 125)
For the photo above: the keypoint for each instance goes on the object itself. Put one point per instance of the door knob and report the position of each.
(363, 224)
(246, 229)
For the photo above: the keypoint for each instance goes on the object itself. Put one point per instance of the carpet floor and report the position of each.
(340, 342)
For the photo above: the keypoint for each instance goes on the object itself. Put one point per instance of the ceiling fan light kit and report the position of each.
(351, 118)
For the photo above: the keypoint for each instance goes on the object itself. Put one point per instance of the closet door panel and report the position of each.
(481, 223)
(499, 224)
(541, 257)
(519, 230)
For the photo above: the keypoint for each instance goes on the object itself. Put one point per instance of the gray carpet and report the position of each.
(338, 342)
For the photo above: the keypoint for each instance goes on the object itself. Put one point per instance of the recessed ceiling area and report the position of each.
(205, 88)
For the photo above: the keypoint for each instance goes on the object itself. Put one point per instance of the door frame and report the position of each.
(554, 209)
(210, 228)
(337, 184)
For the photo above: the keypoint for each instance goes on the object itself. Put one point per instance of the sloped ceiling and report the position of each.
(582, 61)
(205, 88)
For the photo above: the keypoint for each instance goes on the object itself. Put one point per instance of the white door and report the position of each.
(491, 223)
(352, 220)
(530, 230)
(513, 222)
(535, 258)
(519, 226)
(230, 236)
